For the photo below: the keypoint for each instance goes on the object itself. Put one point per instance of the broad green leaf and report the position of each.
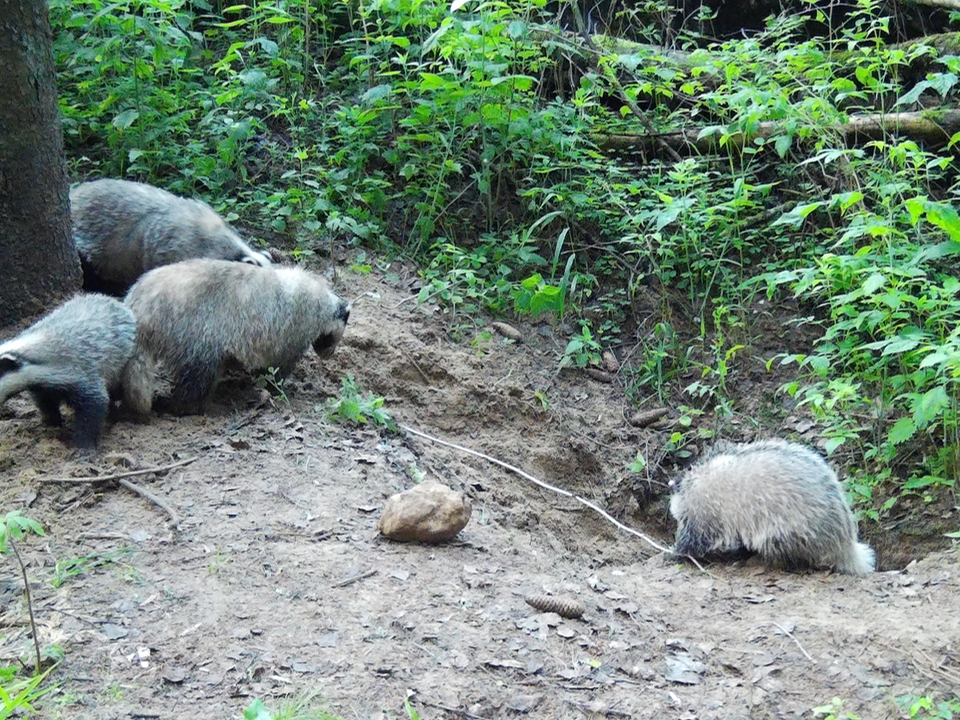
(125, 119)
(832, 444)
(944, 217)
(257, 711)
(783, 144)
(902, 430)
(874, 283)
(796, 216)
(431, 81)
(916, 207)
(916, 483)
(929, 406)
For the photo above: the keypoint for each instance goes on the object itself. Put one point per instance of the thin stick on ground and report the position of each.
(790, 635)
(355, 578)
(545, 486)
(155, 499)
(26, 590)
(118, 476)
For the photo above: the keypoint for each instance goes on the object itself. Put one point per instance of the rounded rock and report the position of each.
(429, 512)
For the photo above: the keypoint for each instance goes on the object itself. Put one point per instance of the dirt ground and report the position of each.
(277, 584)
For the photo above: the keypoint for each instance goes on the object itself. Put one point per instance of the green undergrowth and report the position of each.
(480, 143)
(21, 690)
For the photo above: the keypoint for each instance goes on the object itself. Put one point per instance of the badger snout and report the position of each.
(325, 345)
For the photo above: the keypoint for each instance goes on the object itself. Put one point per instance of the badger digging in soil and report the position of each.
(122, 229)
(196, 315)
(75, 355)
(774, 498)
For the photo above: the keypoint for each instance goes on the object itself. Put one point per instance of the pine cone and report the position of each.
(508, 331)
(564, 607)
(610, 362)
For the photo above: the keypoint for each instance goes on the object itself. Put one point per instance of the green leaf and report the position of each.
(125, 119)
(783, 144)
(902, 430)
(916, 207)
(914, 95)
(832, 444)
(916, 483)
(796, 216)
(874, 283)
(257, 711)
(929, 406)
(945, 217)
(532, 282)
(430, 81)
(516, 29)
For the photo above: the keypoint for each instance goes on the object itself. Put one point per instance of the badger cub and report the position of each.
(775, 498)
(196, 315)
(122, 229)
(75, 355)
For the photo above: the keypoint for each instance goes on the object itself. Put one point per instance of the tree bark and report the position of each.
(38, 262)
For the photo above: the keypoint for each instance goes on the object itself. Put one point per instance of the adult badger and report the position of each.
(774, 498)
(196, 315)
(75, 355)
(122, 229)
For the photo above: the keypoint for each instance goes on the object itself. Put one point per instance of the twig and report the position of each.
(243, 422)
(936, 669)
(462, 713)
(355, 578)
(790, 635)
(26, 590)
(414, 363)
(117, 476)
(546, 486)
(155, 499)
(406, 299)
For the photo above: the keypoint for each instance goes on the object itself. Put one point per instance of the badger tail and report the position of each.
(860, 560)
(138, 383)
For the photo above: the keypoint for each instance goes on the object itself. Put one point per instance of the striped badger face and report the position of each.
(325, 345)
(9, 362)
(257, 257)
(75, 356)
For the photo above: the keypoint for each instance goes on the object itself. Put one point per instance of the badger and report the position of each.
(197, 315)
(74, 355)
(122, 229)
(774, 498)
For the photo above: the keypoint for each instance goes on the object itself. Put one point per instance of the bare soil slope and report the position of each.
(277, 583)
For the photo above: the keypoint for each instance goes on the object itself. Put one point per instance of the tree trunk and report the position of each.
(38, 262)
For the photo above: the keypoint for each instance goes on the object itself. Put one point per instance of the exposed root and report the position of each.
(546, 486)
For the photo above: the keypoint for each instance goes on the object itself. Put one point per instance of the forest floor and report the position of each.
(277, 584)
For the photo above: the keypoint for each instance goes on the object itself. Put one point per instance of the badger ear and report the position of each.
(258, 259)
(343, 311)
(9, 362)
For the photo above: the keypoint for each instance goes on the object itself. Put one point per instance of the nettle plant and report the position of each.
(886, 369)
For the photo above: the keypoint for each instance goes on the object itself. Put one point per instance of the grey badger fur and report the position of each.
(122, 229)
(196, 315)
(74, 355)
(775, 498)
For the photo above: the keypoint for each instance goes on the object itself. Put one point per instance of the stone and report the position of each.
(429, 512)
